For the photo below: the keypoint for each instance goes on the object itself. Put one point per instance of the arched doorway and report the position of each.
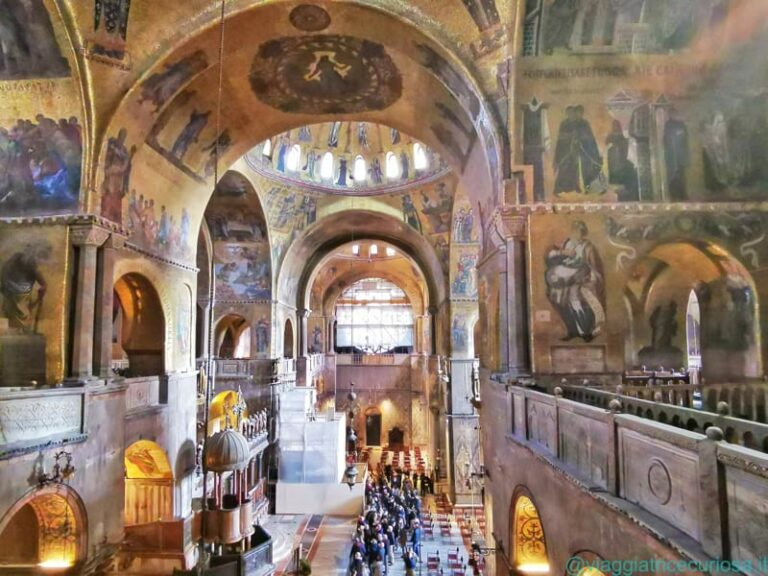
(288, 339)
(148, 484)
(373, 427)
(233, 337)
(693, 305)
(529, 546)
(138, 327)
(45, 529)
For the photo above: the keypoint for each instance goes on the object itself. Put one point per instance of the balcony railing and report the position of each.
(372, 359)
(646, 462)
(668, 410)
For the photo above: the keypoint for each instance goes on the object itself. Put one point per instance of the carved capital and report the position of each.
(507, 223)
(304, 313)
(89, 235)
(115, 241)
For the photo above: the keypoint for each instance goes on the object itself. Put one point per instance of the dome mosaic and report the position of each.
(348, 158)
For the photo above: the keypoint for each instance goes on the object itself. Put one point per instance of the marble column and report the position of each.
(104, 305)
(331, 340)
(512, 227)
(87, 239)
(205, 327)
(430, 330)
(303, 335)
(517, 306)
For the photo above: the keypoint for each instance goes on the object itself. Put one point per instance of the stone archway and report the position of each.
(727, 323)
(138, 327)
(47, 528)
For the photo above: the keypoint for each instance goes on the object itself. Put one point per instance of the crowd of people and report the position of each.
(390, 526)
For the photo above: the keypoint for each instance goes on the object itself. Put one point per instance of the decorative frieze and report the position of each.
(27, 418)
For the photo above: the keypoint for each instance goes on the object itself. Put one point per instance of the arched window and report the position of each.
(529, 547)
(267, 148)
(294, 158)
(393, 166)
(374, 317)
(693, 333)
(326, 166)
(420, 160)
(360, 173)
(374, 250)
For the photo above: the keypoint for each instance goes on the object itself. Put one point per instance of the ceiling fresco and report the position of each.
(325, 74)
(242, 260)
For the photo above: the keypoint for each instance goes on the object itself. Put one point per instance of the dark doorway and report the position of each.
(396, 439)
(373, 429)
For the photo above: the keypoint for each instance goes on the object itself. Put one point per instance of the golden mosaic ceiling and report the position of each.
(349, 158)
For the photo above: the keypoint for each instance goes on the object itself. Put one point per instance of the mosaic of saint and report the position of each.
(575, 283)
(325, 75)
(28, 47)
(618, 26)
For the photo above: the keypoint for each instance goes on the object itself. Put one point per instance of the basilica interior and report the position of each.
(264, 261)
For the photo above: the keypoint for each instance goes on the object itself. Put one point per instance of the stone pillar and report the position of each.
(463, 434)
(303, 336)
(205, 331)
(430, 331)
(331, 340)
(513, 227)
(104, 305)
(87, 239)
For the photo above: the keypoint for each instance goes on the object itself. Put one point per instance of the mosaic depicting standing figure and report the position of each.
(578, 164)
(190, 134)
(677, 157)
(576, 284)
(28, 47)
(621, 171)
(561, 19)
(19, 278)
(410, 213)
(117, 174)
(160, 87)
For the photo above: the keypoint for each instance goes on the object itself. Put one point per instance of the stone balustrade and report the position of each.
(747, 400)
(667, 410)
(701, 487)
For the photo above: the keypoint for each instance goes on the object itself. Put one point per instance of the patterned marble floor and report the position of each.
(328, 543)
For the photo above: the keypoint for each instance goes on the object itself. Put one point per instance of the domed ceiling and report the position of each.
(348, 158)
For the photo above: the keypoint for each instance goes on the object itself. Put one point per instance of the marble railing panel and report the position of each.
(31, 415)
(661, 477)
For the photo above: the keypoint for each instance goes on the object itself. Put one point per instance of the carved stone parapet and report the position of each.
(744, 463)
(89, 235)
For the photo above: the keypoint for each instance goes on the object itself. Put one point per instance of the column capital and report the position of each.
(115, 241)
(509, 222)
(303, 312)
(88, 235)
